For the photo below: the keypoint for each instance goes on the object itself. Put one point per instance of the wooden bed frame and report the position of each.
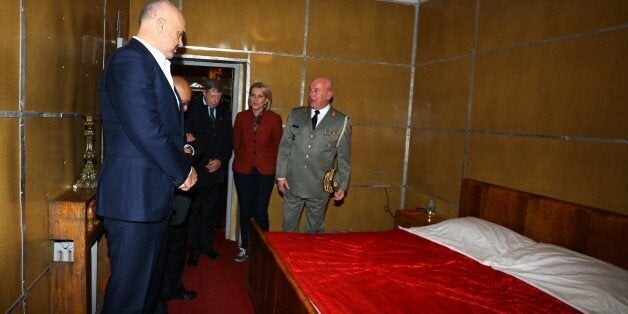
(594, 232)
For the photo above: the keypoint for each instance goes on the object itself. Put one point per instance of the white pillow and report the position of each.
(588, 284)
(478, 239)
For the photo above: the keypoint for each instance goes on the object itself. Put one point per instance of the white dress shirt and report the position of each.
(321, 114)
(161, 59)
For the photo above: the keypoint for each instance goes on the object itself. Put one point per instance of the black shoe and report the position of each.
(193, 260)
(185, 295)
(212, 254)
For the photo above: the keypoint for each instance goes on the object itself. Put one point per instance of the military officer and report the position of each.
(315, 137)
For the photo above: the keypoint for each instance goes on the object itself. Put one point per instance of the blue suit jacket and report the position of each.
(144, 160)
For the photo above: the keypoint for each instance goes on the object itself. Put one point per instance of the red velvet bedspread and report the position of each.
(398, 272)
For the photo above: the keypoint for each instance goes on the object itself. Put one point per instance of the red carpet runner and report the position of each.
(221, 284)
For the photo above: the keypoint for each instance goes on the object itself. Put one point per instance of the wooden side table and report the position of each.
(414, 217)
(71, 218)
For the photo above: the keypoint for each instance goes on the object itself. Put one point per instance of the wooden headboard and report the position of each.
(591, 231)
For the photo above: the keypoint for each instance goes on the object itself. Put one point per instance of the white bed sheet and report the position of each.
(587, 284)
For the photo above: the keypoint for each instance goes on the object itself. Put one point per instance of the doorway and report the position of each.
(232, 74)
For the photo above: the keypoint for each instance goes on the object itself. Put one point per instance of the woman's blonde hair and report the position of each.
(266, 91)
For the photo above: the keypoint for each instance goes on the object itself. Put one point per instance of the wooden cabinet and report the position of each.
(72, 220)
(414, 217)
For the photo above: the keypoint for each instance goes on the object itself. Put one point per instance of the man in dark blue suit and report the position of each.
(144, 160)
(211, 126)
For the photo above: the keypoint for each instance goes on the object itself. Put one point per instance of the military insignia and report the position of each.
(331, 132)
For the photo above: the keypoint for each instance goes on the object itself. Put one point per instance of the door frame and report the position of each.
(239, 102)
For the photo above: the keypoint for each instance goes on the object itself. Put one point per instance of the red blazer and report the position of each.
(256, 150)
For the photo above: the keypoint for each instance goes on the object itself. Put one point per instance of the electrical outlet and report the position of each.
(63, 251)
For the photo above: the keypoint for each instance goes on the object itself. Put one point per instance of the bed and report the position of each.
(415, 270)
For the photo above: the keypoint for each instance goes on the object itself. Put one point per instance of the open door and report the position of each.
(232, 74)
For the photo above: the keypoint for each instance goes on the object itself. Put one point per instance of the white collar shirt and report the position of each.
(161, 59)
(321, 113)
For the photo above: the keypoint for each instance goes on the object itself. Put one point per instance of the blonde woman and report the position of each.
(256, 135)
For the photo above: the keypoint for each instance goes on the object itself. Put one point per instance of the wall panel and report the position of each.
(266, 25)
(573, 87)
(507, 23)
(445, 29)
(435, 163)
(65, 41)
(441, 95)
(39, 297)
(10, 56)
(377, 155)
(10, 234)
(358, 29)
(589, 173)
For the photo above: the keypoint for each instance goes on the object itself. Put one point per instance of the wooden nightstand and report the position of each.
(415, 217)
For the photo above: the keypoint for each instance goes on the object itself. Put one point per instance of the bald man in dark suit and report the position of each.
(144, 161)
(172, 267)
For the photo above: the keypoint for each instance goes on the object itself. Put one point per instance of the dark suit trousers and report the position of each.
(177, 244)
(174, 263)
(134, 252)
(254, 191)
(202, 219)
